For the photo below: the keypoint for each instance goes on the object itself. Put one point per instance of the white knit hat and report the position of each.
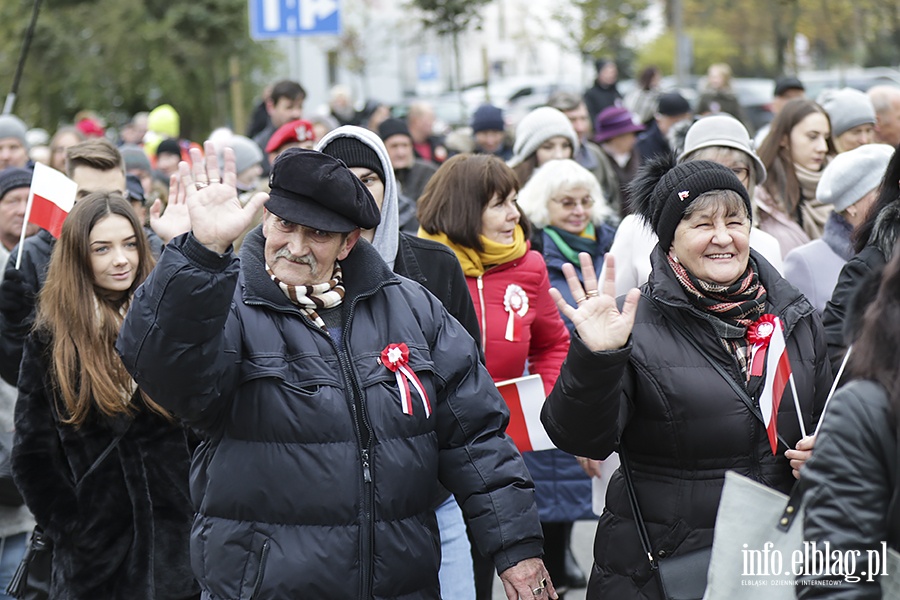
(853, 174)
(537, 127)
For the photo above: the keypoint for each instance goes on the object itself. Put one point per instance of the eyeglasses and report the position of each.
(570, 203)
(742, 173)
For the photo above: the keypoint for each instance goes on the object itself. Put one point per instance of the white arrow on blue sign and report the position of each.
(289, 18)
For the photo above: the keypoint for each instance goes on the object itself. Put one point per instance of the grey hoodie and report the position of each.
(388, 231)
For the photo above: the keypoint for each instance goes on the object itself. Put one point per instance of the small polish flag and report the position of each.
(51, 198)
(778, 375)
(525, 397)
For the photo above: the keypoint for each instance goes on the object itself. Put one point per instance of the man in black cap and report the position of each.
(786, 89)
(672, 109)
(332, 396)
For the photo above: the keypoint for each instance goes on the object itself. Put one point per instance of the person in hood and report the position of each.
(436, 268)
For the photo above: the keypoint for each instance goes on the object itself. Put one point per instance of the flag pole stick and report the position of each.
(834, 386)
(797, 406)
(24, 227)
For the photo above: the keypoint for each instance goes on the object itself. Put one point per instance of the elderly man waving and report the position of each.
(332, 396)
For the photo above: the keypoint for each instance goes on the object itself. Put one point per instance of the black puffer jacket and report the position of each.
(844, 310)
(680, 422)
(312, 483)
(35, 260)
(122, 531)
(852, 479)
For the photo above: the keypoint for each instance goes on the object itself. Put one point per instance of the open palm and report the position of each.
(598, 320)
(216, 214)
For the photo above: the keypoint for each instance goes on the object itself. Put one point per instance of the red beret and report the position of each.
(294, 131)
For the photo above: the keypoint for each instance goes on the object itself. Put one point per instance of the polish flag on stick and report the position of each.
(778, 376)
(51, 198)
(525, 397)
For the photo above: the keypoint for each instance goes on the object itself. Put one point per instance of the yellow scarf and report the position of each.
(475, 263)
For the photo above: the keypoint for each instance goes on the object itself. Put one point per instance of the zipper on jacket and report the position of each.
(263, 555)
(480, 282)
(364, 428)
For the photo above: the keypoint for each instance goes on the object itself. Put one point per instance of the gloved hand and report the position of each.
(16, 297)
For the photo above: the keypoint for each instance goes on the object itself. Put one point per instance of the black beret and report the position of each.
(319, 191)
(14, 177)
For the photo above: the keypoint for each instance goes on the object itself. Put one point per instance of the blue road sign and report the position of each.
(289, 18)
(427, 67)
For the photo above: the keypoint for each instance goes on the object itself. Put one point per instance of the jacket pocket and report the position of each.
(255, 569)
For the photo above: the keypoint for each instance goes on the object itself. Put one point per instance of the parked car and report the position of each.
(861, 79)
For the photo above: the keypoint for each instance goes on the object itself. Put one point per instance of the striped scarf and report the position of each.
(311, 298)
(735, 307)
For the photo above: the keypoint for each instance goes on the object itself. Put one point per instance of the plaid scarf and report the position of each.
(734, 307)
(314, 297)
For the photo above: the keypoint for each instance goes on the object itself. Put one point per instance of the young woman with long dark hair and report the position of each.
(103, 468)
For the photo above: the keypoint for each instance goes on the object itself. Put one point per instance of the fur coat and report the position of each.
(122, 529)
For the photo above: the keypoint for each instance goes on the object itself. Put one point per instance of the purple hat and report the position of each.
(614, 121)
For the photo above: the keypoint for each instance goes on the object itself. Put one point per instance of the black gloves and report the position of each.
(16, 297)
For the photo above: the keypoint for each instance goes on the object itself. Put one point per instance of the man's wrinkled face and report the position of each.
(300, 255)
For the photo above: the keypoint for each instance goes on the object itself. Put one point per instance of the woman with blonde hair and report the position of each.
(103, 468)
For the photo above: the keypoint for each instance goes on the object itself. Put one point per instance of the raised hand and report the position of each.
(216, 214)
(600, 324)
(176, 219)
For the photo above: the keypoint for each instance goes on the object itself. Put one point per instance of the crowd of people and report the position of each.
(266, 366)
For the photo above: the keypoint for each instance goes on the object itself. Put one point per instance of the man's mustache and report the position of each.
(306, 259)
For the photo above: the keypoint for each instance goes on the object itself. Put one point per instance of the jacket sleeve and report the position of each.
(14, 332)
(478, 462)
(39, 465)
(854, 272)
(798, 271)
(549, 336)
(585, 411)
(851, 479)
(173, 338)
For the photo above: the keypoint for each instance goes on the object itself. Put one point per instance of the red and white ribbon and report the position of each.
(758, 336)
(515, 302)
(396, 358)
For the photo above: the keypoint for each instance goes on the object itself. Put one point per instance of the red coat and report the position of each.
(541, 338)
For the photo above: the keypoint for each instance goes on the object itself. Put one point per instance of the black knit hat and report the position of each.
(319, 191)
(355, 153)
(391, 127)
(675, 188)
(13, 178)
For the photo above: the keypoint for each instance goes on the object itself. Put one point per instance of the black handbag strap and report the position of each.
(738, 389)
(636, 509)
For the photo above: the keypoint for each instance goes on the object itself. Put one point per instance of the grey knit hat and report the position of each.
(537, 127)
(12, 126)
(853, 174)
(722, 130)
(246, 152)
(847, 108)
(135, 157)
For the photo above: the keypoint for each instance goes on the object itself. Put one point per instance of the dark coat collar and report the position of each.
(364, 273)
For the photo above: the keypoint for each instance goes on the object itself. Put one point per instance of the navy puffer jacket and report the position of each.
(312, 482)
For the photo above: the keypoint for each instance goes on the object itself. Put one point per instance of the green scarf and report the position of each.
(570, 244)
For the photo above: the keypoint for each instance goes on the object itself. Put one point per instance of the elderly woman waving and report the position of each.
(667, 377)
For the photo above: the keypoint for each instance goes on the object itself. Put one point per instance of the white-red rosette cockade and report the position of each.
(396, 358)
(515, 302)
(758, 336)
